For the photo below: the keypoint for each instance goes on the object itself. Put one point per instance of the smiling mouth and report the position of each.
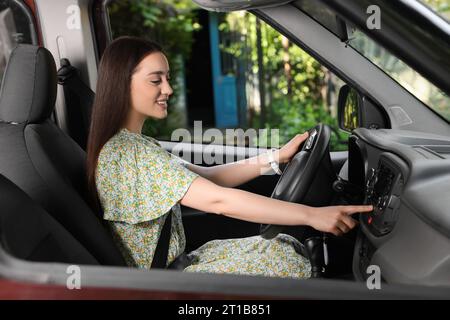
(162, 103)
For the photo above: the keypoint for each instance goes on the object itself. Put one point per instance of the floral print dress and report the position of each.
(139, 184)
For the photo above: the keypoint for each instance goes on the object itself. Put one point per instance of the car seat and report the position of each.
(28, 232)
(40, 158)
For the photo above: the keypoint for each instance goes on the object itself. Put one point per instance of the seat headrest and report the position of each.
(28, 92)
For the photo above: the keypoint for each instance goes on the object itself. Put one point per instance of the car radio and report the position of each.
(383, 188)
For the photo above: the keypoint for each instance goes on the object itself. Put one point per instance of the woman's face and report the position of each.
(150, 88)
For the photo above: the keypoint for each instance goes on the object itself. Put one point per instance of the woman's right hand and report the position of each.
(335, 219)
(206, 196)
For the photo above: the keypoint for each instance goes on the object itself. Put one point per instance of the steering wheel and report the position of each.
(308, 177)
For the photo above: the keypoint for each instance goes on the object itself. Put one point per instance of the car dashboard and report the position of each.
(405, 175)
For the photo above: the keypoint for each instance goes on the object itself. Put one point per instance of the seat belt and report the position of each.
(162, 248)
(79, 101)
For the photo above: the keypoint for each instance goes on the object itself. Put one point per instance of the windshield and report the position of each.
(406, 76)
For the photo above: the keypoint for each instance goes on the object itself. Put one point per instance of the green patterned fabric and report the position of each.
(139, 183)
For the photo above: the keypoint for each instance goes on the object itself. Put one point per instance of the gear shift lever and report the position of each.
(317, 251)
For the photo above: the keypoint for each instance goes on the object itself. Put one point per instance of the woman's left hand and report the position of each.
(289, 150)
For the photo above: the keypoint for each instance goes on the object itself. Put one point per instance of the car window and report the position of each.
(15, 28)
(232, 73)
(406, 76)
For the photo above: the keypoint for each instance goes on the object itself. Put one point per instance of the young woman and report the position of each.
(138, 183)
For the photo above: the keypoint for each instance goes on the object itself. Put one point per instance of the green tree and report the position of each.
(292, 96)
(290, 83)
(171, 24)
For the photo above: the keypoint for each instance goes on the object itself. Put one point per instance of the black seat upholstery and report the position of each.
(40, 158)
(28, 232)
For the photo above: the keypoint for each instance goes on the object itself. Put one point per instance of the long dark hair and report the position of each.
(112, 99)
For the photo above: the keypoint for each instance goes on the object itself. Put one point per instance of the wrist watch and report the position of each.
(272, 161)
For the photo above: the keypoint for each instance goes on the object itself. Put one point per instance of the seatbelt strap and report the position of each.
(162, 248)
(68, 77)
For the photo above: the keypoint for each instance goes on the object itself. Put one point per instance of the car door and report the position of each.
(25, 278)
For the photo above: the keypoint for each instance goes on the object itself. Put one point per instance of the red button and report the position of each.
(370, 220)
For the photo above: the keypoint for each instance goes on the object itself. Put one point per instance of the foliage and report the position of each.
(290, 83)
(292, 118)
(171, 24)
(293, 80)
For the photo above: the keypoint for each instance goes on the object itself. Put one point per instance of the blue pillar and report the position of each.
(215, 61)
(224, 86)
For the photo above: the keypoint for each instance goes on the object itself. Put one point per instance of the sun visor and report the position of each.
(235, 5)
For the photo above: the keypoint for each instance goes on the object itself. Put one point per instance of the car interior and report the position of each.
(397, 160)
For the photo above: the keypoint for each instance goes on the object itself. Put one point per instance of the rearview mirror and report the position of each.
(349, 109)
